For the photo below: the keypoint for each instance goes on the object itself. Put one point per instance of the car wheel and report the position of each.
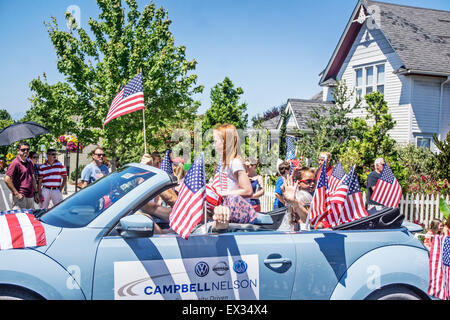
(16, 294)
(394, 293)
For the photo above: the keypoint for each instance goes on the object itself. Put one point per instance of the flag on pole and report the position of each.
(336, 177)
(187, 210)
(320, 204)
(20, 229)
(346, 201)
(129, 99)
(387, 190)
(166, 163)
(290, 147)
(220, 179)
(439, 285)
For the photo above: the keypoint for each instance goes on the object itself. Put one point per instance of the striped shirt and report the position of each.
(51, 174)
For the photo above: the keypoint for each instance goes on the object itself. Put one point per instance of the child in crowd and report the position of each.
(436, 227)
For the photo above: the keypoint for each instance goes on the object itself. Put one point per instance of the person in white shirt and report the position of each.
(235, 207)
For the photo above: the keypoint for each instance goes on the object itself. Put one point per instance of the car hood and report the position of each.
(51, 234)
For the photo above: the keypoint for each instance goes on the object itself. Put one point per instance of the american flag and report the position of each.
(220, 179)
(129, 99)
(346, 201)
(290, 147)
(439, 286)
(213, 199)
(166, 163)
(20, 229)
(387, 190)
(188, 209)
(320, 205)
(336, 176)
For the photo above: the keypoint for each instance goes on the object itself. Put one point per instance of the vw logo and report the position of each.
(201, 269)
(240, 266)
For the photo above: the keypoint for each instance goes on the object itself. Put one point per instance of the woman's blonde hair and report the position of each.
(179, 171)
(231, 143)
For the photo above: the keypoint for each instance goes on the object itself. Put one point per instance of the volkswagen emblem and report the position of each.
(240, 266)
(201, 269)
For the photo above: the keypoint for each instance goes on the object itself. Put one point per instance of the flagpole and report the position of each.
(145, 139)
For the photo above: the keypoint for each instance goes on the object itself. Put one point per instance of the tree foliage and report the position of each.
(96, 63)
(225, 106)
(329, 127)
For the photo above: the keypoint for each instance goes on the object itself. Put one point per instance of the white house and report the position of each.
(403, 52)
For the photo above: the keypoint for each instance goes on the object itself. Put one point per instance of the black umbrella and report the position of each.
(20, 131)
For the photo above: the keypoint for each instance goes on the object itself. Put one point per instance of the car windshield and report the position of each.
(84, 206)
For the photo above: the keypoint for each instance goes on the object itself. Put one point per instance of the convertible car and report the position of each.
(98, 247)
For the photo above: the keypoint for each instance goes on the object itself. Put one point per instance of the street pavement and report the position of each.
(5, 193)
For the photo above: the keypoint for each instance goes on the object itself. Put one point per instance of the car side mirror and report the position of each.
(136, 226)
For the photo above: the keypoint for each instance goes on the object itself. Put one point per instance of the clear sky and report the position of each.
(274, 50)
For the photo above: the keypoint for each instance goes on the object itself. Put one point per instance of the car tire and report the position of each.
(394, 293)
(16, 294)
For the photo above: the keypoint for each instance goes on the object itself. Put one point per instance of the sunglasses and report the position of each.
(99, 154)
(53, 154)
(37, 157)
(308, 181)
(25, 149)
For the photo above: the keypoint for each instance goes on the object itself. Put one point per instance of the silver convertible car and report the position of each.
(98, 247)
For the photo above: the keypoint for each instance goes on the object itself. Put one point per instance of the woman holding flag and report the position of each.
(236, 206)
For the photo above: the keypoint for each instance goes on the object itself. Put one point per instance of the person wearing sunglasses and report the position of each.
(52, 180)
(298, 190)
(96, 169)
(21, 181)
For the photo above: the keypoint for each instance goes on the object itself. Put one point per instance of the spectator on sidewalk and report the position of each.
(279, 201)
(436, 227)
(372, 180)
(94, 170)
(52, 180)
(322, 157)
(34, 158)
(256, 181)
(21, 181)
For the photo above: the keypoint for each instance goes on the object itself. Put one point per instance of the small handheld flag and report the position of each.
(220, 179)
(166, 163)
(336, 177)
(320, 204)
(187, 210)
(387, 190)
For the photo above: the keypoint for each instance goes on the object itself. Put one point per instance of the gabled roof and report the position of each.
(420, 37)
(302, 108)
(272, 123)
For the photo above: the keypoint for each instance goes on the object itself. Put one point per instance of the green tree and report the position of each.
(225, 106)
(442, 158)
(372, 140)
(124, 42)
(329, 127)
(5, 120)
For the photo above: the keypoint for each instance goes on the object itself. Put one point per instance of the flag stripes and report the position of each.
(439, 285)
(20, 230)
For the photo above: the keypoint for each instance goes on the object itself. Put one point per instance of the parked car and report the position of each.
(98, 248)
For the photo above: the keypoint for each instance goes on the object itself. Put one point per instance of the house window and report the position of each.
(370, 79)
(359, 81)
(424, 142)
(380, 78)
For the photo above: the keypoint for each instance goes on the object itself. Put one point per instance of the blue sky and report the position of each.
(274, 50)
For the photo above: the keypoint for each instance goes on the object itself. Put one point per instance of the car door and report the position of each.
(251, 265)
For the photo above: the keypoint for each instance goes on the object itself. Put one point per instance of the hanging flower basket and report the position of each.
(70, 142)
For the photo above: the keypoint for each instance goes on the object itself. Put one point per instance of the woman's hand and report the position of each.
(221, 217)
(289, 188)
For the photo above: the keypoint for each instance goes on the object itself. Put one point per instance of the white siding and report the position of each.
(445, 120)
(425, 106)
(372, 47)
